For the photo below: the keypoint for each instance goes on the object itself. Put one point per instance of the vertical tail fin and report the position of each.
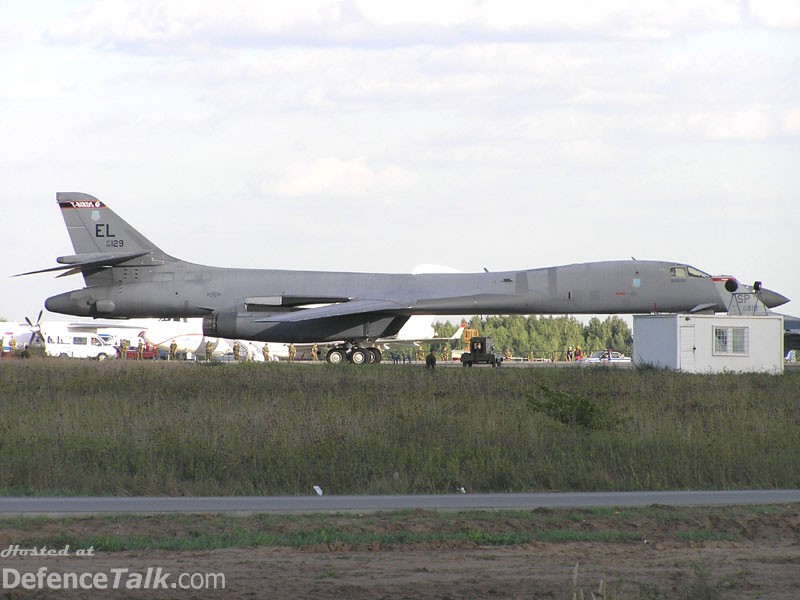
(94, 228)
(102, 240)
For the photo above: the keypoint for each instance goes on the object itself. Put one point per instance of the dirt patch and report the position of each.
(663, 553)
(659, 570)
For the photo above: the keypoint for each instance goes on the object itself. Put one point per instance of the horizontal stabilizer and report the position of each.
(82, 262)
(709, 307)
(354, 307)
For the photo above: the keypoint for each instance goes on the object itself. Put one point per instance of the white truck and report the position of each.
(78, 345)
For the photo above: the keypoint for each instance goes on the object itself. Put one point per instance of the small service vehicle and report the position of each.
(481, 350)
(602, 356)
(78, 345)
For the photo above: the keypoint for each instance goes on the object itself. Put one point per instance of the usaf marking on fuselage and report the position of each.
(127, 276)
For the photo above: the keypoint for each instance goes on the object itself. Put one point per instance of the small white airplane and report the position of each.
(38, 332)
(19, 332)
(187, 334)
(418, 331)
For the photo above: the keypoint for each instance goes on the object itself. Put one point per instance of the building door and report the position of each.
(687, 349)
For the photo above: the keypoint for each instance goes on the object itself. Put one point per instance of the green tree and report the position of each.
(613, 332)
(545, 335)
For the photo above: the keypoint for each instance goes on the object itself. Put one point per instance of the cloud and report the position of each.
(193, 25)
(778, 14)
(750, 123)
(153, 24)
(790, 121)
(334, 177)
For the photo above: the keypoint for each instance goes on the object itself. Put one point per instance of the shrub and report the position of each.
(566, 408)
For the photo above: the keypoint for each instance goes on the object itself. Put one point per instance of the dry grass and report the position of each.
(73, 427)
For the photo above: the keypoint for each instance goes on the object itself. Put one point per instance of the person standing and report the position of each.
(430, 360)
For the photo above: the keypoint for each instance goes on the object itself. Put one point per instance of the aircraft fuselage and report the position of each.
(190, 290)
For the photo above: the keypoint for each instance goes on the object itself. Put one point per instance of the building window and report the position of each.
(731, 340)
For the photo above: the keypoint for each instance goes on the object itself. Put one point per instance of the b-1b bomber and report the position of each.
(127, 276)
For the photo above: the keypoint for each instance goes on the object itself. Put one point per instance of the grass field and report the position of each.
(159, 428)
(387, 530)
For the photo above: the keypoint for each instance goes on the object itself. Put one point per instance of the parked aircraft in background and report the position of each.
(57, 338)
(190, 340)
(126, 276)
(19, 332)
(187, 334)
(791, 333)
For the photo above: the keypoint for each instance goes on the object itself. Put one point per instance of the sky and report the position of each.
(375, 136)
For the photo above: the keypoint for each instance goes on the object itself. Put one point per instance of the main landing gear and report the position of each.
(357, 355)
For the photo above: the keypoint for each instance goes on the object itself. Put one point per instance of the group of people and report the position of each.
(12, 345)
(143, 347)
(237, 352)
(574, 353)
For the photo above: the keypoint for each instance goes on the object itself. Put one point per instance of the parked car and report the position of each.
(606, 356)
(149, 352)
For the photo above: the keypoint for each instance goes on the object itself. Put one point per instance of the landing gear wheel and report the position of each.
(376, 356)
(360, 356)
(335, 356)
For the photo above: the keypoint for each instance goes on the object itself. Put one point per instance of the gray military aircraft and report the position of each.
(127, 276)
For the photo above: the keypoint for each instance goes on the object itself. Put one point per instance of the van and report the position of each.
(78, 345)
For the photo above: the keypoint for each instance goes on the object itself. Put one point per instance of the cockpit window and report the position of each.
(683, 271)
(677, 272)
(697, 273)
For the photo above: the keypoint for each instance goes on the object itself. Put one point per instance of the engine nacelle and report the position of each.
(254, 326)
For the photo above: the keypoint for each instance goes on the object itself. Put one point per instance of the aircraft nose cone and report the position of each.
(772, 299)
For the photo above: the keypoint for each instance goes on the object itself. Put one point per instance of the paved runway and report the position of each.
(32, 506)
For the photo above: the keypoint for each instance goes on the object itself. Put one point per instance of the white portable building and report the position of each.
(709, 343)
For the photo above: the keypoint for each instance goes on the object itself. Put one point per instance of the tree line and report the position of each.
(547, 336)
